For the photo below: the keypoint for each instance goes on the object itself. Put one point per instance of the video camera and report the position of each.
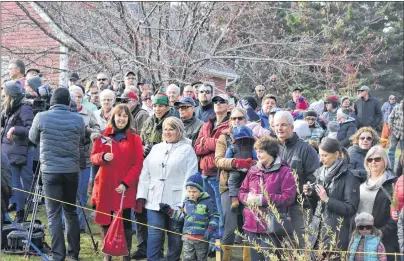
(42, 101)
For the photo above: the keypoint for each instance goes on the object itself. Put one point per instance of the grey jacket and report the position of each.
(59, 132)
(92, 126)
(192, 127)
(368, 113)
(300, 156)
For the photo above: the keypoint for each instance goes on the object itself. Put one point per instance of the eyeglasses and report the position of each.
(364, 227)
(220, 102)
(368, 138)
(241, 118)
(101, 80)
(205, 91)
(184, 107)
(147, 98)
(377, 159)
(310, 118)
(361, 91)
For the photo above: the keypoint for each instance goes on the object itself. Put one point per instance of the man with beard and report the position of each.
(186, 107)
(205, 109)
(103, 82)
(139, 115)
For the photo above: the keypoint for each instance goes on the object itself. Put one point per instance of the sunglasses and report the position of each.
(147, 98)
(366, 138)
(364, 227)
(241, 118)
(260, 90)
(220, 102)
(205, 91)
(377, 159)
(101, 80)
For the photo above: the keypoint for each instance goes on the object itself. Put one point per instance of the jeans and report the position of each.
(260, 240)
(22, 177)
(211, 186)
(82, 192)
(155, 239)
(62, 187)
(141, 232)
(393, 146)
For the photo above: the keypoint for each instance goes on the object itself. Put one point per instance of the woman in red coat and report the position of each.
(119, 154)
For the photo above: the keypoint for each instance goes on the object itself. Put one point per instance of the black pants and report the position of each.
(141, 232)
(127, 225)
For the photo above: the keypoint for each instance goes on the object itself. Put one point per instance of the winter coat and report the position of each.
(381, 215)
(291, 104)
(343, 192)
(20, 117)
(223, 164)
(357, 162)
(124, 169)
(89, 105)
(347, 129)
(153, 129)
(369, 244)
(102, 122)
(92, 126)
(386, 110)
(59, 147)
(205, 148)
(264, 119)
(192, 127)
(398, 194)
(400, 231)
(165, 172)
(368, 113)
(316, 133)
(300, 156)
(197, 216)
(139, 118)
(396, 119)
(203, 113)
(6, 190)
(280, 185)
(328, 116)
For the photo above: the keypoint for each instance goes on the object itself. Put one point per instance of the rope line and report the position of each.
(201, 240)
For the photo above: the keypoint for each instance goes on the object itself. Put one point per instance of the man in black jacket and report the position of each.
(301, 158)
(186, 107)
(368, 110)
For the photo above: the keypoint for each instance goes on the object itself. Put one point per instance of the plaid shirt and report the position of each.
(316, 133)
(396, 121)
(386, 110)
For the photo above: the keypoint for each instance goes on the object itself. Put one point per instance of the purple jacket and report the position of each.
(280, 185)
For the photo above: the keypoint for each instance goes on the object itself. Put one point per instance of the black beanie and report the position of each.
(13, 88)
(309, 113)
(60, 96)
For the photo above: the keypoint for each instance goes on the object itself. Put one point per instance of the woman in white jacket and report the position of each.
(164, 174)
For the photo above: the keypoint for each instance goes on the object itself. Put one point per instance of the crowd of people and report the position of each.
(204, 164)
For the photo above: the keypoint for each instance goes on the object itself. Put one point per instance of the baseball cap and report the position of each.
(130, 72)
(220, 97)
(33, 69)
(364, 88)
(297, 89)
(186, 100)
(128, 94)
(74, 76)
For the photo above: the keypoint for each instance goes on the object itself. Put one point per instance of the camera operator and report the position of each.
(60, 131)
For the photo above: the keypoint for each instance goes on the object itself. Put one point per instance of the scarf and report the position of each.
(327, 174)
(274, 165)
(375, 185)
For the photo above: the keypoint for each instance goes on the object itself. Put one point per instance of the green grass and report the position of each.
(87, 251)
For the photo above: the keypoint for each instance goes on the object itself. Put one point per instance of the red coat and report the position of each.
(125, 167)
(399, 194)
(206, 149)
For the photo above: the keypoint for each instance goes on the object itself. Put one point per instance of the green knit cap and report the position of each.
(161, 98)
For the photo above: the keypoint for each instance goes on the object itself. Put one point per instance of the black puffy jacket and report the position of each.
(357, 162)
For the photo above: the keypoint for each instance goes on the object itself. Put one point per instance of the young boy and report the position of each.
(242, 148)
(200, 217)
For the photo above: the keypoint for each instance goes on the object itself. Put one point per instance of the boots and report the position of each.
(234, 204)
(128, 237)
(246, 254)
(226, 253)
(19, 216)
(103, 232)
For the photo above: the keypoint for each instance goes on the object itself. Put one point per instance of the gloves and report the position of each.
(242, 163)
(209, 232)
(165, 208)
(254, 199)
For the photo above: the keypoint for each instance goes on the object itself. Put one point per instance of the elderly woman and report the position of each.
(165, 171)
(362, 141)
(347, 127)
(375, 196)
(337, 190)
(107, 98)
(92, 126)
(231, 218)
(120, 166)
(16, 121)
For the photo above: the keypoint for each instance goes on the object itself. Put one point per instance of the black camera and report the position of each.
(42, 101)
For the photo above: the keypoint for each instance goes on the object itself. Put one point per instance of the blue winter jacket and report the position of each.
(59, 132)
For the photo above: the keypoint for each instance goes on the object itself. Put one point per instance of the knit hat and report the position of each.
(333, 126)
(301, 128)
(73, 76)
(196, 181)
(34, 83)
(240, 132)
(60, 96)
(161, 98)
(309, 113)
(364, 219)
(13, 88)
(301, 104)
(344, 98)
(334, 100)
(318, 107)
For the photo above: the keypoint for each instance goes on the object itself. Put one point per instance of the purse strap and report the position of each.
(120, 206)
